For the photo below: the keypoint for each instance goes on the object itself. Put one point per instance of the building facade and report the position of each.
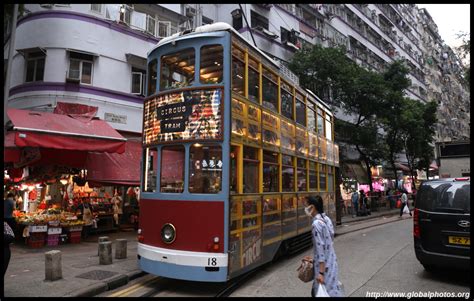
(92, 54)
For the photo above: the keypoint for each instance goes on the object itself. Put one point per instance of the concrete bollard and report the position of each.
(120, 248)
(105, 252)
(53, 268)
(102, 238)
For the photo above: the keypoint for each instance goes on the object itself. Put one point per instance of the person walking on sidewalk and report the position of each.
(355, 203)
(8, 207)
(404, 203)
(324, 256)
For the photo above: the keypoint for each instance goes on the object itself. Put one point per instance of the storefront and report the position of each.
(45, 161)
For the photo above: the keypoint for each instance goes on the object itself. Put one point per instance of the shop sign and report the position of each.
(212, 165)
(43, 228)
(111, 117)
(54, 230)
(187, 115)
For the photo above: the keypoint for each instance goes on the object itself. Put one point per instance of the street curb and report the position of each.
(371, 226)
(116, 281)
(135, 274)
(89, 291)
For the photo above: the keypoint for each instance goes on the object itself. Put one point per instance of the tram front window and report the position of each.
(205, 169)
(177, 69)
(172, 169)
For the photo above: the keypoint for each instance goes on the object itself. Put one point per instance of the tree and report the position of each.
(396, 80)
(418, 130)
(464, 52)
(356, 91)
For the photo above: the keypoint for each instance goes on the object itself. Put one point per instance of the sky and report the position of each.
(450, 19)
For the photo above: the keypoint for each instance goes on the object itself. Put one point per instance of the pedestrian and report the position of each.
(116, 203)
(388, 195)
(404, 203)
(9, 206)
(355, 203)
(324, 256)
(362, 202)
(8, 238)
(87, 217)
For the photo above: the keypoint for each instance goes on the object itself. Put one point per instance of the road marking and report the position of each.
(133, 288)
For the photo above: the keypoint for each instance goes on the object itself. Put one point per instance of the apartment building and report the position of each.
(95, 54)
(374, 35)
(91, 54)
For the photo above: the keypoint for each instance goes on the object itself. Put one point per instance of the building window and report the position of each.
(172, 169)
(138, 81)
(251, 166)
(35, 66)
(288, 173)
(212, 62)
(206, 20)
(125, 13)
(205, 169)
(237, 21)
(270, 172)
(152, 74)
(80, 67)
(258, 21)
(150, 25)
(96, 8)
(164, 29)
(150, 168)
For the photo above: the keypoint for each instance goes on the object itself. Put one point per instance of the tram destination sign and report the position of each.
(180, 116)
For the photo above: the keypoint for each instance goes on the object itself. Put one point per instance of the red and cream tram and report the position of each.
(231, 148)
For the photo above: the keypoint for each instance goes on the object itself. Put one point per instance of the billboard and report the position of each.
(189, 115)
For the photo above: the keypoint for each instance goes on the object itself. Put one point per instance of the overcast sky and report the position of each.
(450, 19)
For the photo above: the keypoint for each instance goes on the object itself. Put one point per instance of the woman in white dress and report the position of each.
(324, 256)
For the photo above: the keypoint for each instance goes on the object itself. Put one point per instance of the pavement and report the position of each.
(83, 276)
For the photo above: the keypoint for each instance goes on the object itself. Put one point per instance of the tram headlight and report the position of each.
(168, 233)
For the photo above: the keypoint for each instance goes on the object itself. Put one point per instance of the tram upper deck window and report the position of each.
(172, 169)
(177, 69)
(212, 62)
(300, 111)
(320, 123)
(251, 165)
(254, 81)
(238, 71)
(152, 77)
(151, 166)
(205, 169)
(270, 90)
(286, 101)
(328, 127)
(271, 167)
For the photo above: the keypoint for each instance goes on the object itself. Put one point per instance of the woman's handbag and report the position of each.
(322, 291)
(306, 270)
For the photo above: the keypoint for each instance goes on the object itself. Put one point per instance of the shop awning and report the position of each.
(115, 169)
(56, 131)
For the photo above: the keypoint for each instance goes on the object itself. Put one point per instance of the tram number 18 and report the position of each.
(212, 261)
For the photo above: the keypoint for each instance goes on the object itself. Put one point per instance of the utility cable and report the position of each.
(250, 28)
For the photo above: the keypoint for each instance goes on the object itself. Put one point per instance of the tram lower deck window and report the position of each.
(205, 169)
(172, 169)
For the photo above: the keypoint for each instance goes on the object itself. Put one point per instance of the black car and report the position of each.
(441, 223)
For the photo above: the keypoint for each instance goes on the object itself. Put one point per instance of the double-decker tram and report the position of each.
(231, 148)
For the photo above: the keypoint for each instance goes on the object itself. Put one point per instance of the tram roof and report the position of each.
(222, 26)
(218, 26)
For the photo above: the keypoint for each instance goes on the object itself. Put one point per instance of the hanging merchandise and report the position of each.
(33, 195)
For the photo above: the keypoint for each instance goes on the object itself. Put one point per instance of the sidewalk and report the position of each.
(26, 272)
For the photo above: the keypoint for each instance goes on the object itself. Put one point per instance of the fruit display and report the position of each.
(48, 216)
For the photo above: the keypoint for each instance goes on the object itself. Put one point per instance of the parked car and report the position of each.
(441, 223)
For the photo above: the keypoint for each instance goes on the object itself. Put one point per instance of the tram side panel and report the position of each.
(193, 254)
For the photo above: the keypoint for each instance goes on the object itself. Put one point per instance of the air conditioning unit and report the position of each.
(267, 32)
(47, 5)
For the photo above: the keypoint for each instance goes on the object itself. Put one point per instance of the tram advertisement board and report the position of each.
(185, 115)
